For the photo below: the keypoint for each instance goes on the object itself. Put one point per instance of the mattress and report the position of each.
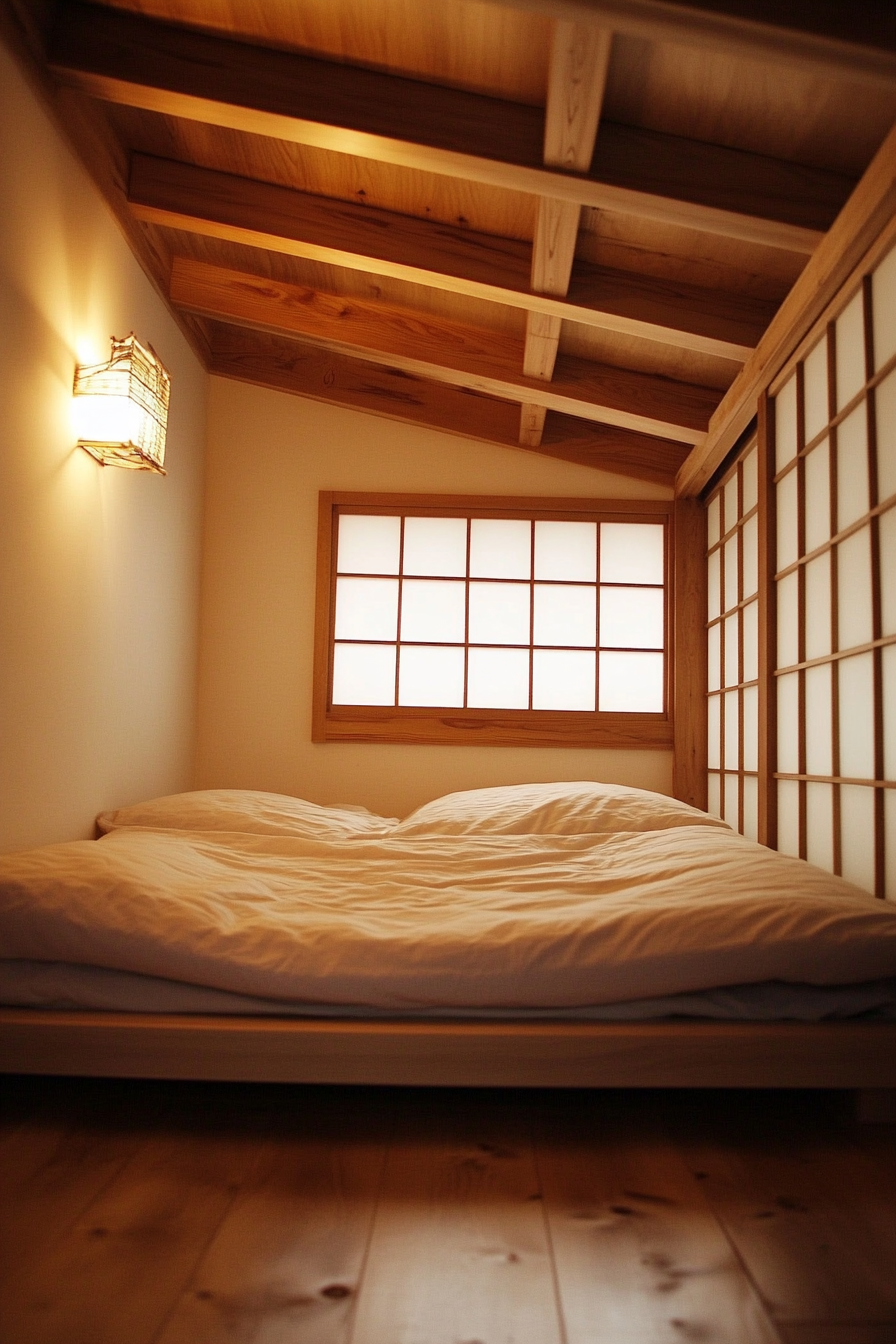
(568, 899)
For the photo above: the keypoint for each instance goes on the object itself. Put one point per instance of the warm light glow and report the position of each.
(121, 407)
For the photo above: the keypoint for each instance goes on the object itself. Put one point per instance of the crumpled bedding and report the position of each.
(399, 923)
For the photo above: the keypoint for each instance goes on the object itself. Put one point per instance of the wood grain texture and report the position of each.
(440, 1054)
(298, 99)
(639, 1253)
(864, 222)
(305, 370)
(577, 76)
(456, 259)
(481, 361)
(541, 345)
(532, 418)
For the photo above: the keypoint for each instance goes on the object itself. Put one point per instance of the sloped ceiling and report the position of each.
(563, 224)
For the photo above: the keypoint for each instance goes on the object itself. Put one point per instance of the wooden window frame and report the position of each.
(491, 727)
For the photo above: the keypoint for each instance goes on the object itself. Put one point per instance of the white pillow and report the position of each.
(251, 811)
(580, 808)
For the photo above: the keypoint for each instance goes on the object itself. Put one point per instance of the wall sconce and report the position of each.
(121, 408)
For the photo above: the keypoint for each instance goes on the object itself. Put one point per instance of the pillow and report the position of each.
(248, 810)
(580, 808)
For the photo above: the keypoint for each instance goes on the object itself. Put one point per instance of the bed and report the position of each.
(566, 934)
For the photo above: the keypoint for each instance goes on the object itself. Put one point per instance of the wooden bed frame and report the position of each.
(855, 1055)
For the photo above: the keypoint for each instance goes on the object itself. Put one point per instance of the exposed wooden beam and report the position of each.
(441, 256)
(307, 370)
(140, 62)
(481, 360)
(577, 76)
(855, 40)
(862, 220)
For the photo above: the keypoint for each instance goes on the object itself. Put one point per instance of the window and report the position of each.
(511, 621)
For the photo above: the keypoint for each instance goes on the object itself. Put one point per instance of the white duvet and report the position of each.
(406, 920)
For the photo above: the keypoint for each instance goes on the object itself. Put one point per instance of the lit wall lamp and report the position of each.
(121, 408)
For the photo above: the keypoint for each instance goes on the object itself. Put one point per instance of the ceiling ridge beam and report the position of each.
(478, 359)
(140, 62)
(460, 261)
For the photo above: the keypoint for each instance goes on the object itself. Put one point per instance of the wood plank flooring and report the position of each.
(179, 1213)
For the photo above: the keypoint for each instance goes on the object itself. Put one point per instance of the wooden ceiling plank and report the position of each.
(862, 220)
(127, 58)
(481, 360)
(306, 370)
(454, 259)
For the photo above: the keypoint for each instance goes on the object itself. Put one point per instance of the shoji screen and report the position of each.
(832, 426)
(733, 645)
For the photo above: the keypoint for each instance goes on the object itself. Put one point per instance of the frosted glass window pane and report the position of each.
(852, 468)
(731, 511)
(815, 389)
(565, 615)
(566, 551)
(713, 804)
(788, 624)
(857, 835)
(787, 534)
(887, 540)
(500, 548)
(714, 675)
(435, 546)
(631, 553)
(818, 606)
(788, 724)
(631, 681)
(789, 817)
(857, 717)
(883, 290)
(499, 613)
(890, 843)
(366, 608)
(751, 807)
(368, 544)
(750, 544)
(562, 679)
(850, 351)
(854, 613)
(751, 641)
(731, 572)
(431, 677)
(818, 496)
(364, 674)
(498, 679)
(712, 520)
(819, 734)
(750, 480)
(631, 618)
(714, 718)
(433, 609)
(885, 414)
(713, 584)
(751, 728)
(820, 825)
(732, 802)
(732, 743)
(889, 680)
(785, 424)
(732, 671)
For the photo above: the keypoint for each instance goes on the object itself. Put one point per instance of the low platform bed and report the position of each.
(472, 944)
(859, 1055)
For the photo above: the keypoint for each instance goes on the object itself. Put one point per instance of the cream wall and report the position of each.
(268, 456)
(98, 567)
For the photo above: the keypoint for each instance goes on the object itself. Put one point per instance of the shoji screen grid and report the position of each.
(833, 425)
(733, 645)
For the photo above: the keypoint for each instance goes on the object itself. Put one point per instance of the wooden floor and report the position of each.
(180, 1213)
